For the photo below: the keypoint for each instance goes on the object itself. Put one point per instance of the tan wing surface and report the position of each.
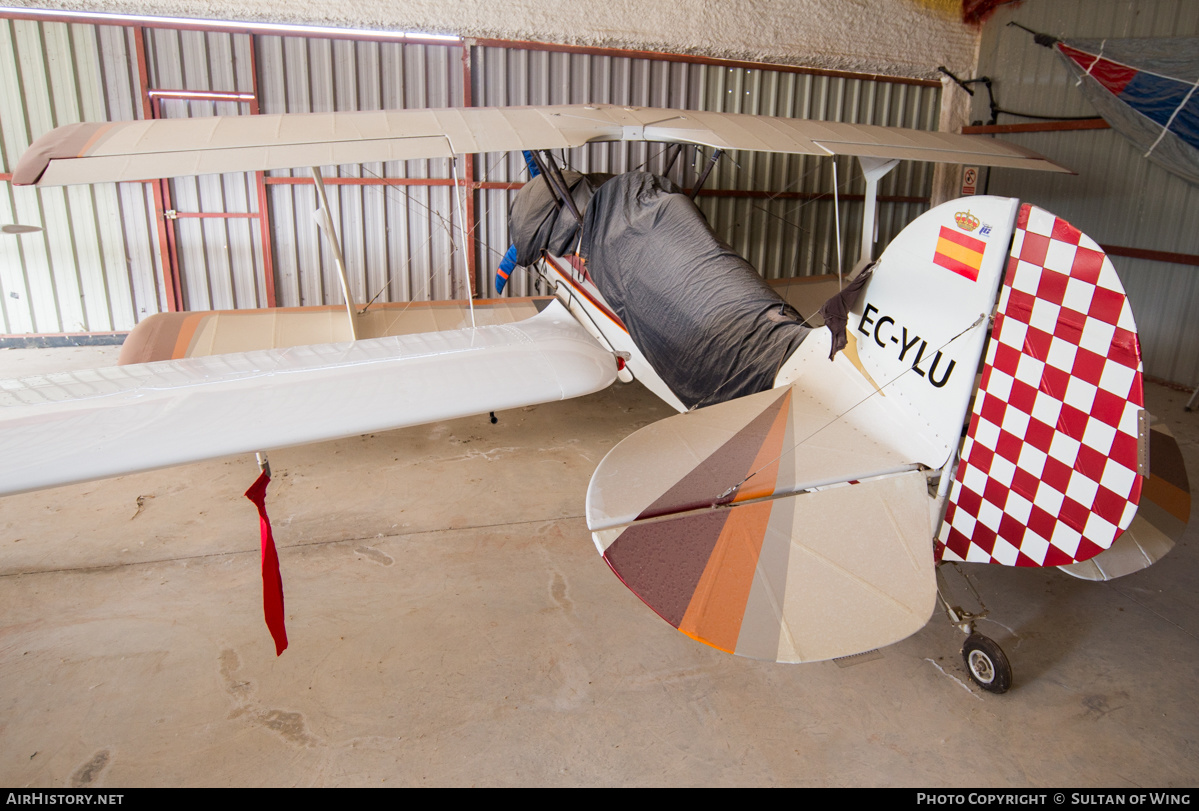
(146, 150)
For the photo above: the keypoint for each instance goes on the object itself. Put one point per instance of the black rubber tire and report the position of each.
(987, 664)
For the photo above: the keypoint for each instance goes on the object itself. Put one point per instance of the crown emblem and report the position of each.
(966, 221)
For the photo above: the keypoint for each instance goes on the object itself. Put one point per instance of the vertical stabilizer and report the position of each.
(916, 333)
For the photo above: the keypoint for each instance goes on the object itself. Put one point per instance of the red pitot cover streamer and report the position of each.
(272, 581)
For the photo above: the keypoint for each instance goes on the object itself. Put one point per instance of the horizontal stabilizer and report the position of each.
(146, 150)
(770, 526)
(802, 578)
(1161, 518)
(773, 443)
(77, 426)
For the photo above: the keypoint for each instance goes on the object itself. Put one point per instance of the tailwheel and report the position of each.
(987, 664)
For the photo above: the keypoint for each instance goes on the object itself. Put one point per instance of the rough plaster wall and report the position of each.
(955, 114)
(898, 37)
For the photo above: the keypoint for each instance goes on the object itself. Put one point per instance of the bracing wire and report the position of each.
(837, 221)
(434, 214)
(982, 318)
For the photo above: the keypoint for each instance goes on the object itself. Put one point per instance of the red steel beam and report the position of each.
(756, 194)
(203, 95)
(1040, 126)
(161, 194)
(1153, 256)
(661, 56)
(362, 181)
(512, 185)
(216, 215)
(264, 210)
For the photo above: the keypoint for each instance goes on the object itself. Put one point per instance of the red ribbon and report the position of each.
(272, 581)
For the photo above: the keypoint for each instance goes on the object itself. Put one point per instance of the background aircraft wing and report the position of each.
(146, 150)
(86, 425)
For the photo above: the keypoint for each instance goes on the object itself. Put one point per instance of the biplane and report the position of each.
(820, 469)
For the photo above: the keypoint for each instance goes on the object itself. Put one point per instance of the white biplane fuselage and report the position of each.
(732, 521)
(578, 293)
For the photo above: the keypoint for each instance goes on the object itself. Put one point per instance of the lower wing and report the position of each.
(79, 426)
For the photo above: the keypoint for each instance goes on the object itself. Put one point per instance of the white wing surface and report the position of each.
(145, 150)
(86, 425)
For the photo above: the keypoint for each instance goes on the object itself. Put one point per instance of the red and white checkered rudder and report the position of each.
(1051, 470)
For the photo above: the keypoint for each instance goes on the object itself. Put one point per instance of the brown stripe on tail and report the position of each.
(710, 481)
(696, 571)
(1167, 486)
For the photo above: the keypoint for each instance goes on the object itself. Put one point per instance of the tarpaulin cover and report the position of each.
(1145, 88)
(536, 223)
(707, 322)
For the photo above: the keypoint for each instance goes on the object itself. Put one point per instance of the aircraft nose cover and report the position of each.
(1049, 474)
(708, 324)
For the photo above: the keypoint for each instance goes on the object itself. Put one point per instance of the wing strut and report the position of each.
(553, 176)
(326, 224)
(874, 169)
(699, 184)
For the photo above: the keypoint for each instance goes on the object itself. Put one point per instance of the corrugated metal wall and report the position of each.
(220, 263)
(105, 261)
(94, 267)
(1117, 197)
(400, 241)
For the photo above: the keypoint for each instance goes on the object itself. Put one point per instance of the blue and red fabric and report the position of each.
(1165, 100)
(507, 265)
(1147, 90)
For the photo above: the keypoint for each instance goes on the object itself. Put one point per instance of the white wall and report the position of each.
(899, 37)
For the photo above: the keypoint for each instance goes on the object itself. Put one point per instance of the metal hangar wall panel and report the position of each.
(112, 254)
(1134, 207)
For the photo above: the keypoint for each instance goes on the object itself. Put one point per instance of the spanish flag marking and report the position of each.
(960, 253)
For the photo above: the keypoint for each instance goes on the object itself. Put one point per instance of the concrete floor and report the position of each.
(452, 624)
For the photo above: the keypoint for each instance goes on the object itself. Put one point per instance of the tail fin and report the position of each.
(922, 322)
(916, 333)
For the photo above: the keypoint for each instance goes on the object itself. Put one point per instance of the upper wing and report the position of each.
(86, 425)
(145, 150)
